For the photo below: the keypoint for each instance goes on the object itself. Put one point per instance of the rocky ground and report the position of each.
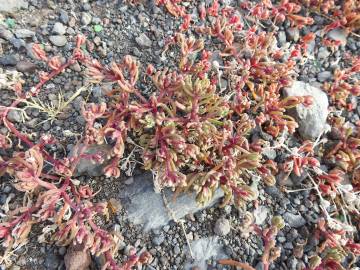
(115, 29)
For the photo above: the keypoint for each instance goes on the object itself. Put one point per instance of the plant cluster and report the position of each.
(198, 131)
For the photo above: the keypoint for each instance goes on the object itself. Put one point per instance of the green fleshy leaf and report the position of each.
(97, 28)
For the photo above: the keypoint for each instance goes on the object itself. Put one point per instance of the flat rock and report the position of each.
(143, 41)
(260, 214)
(146, 207)
(205, 249)
(77, 258)
(311, 119)
(59, 29)
(24, 33)
(294, 221)
(12, 5)
(58, 40)
(25, 66)
(8, 60)
(89, 167)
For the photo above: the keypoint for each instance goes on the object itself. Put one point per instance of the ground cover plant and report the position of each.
(193, 132)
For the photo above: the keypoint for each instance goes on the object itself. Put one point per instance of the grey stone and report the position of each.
(338, 34)
(5, 33)
(25, 66)
(64, 16)
(85, 18)
(203, 250)
(87, 166)
(324, 76)
(294, 221)
(323, 53)
(18, 43)
(24, 33)
(59, 29)
(222, 227)
(52, 261)
(311, 119)
(12, 5)
(158, 240)
(145, 206)
(58, 40)
(143, 41)
(260, 214)
(8, 60)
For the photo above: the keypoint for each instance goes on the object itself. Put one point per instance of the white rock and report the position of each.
(146, 207)
(58, 40)
(205, 249)
(59, 28)
(312, 119)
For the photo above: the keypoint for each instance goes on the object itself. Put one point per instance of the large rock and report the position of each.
(12, 5)
(88, 167)
(312, 119)
(338, 34)
(205, 249)
(145, 206)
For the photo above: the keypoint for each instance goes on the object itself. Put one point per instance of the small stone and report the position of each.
(86, 18)
(64, 17)
(222, 227)
(59, 29)
(76, 67)
(323, 53)
(5, 34)
(143, 41)
(129, 181)
(25, 66)
(58, 40)
(338, 34)
(9, 60)
(294, 221)
(18, 43)
(62, 251)
(15, 116)
(52, 261)
(261, 214)
(324, 76)
(24, 33)
(158, 240)
(77, 258)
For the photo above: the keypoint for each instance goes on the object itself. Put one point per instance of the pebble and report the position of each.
(293, 33)
(323, 53)
(85, 18)
(294, 221)
(15, 116)
(282, 38)
(59, 29)
(5, 34)
(58, 40)
(24, 33)
(143, 41)
(25, 66)
(158, 240)
(324, 76)
(64, 16)
(9, 60)
(52, 261)
(222, 227)
(18, 43)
